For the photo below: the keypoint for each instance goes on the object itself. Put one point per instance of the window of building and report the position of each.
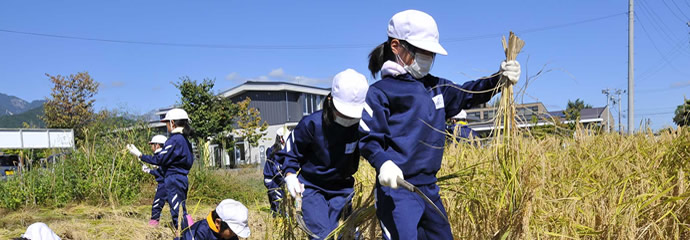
(311, 103)
(318, 102)
(489, 114)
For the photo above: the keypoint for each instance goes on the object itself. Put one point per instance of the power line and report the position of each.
(658, 23)
(292, 47)
(655, 47)
(673, 12)
(652, 114)
(681, 11)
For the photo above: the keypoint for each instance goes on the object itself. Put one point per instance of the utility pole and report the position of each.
(631, 74)
(619, 92)
(608, 116)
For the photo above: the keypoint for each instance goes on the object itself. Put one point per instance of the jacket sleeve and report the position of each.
(164, 157)
(156, 172)
(292, 156)
(373, 128)
(456, 99)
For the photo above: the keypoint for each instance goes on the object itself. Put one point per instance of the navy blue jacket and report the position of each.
(272, 176)
(175, 158)
(464, 131)
(159, 174)
(328, 156)
(201, 231)
(405, 121)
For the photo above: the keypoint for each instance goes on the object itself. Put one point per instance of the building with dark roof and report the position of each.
(481, 120)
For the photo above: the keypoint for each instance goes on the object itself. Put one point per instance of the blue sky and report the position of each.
(310, 41)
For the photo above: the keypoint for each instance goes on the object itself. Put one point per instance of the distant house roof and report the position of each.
(587, 115)
(273, 86)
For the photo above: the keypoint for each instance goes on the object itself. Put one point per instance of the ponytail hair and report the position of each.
(183, 123)
(380, 55)
(275, 148)
(328, 115)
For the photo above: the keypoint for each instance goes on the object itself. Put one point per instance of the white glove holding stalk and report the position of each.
(133, 150)
(293, 185)
(511, 70)
(145, 168)
(389, 174)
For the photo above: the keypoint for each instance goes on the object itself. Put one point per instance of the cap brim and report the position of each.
(349, 110)
(240, 231)
(430, 46)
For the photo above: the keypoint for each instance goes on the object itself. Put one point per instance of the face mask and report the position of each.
(421, 65)
(346, 122)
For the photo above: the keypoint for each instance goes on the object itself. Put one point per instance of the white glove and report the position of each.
(511, 70)
(293, 185)
(389, 174)
(133, 150)
(145, 168)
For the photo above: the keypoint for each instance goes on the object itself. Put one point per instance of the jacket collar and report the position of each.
(177, 130)
(392, 69)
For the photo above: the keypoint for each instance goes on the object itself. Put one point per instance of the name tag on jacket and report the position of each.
(438, 101)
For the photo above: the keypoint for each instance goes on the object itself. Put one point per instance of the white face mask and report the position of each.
(346, 122)
(421, 65)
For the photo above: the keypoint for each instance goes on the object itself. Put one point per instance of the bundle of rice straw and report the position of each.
(505, 132)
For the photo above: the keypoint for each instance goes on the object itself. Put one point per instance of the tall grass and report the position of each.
(587, 187)
(98, 171)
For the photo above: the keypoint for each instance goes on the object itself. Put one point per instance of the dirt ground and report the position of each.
(125, 222)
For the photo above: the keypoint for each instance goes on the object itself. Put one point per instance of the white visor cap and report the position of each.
(176, 114)
(461, 115)
(235, 215)
(417, 28)
(349, 90)
(159, 139)
(281, 131)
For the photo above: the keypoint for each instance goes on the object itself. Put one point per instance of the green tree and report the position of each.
(71, 102)
(211, 116)
(572, 111)
(682, 117)
(249, 124)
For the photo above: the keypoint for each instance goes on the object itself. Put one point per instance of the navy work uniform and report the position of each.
(461, 131)
(175, 160)
(230, 212)
(328, 157)
(160, 197)
(273, 179)
(401, 123)
(201, 230)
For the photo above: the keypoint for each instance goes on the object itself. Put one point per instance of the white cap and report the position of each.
(280, 132)
(349, 91)
(160, 139)
(176, 114)
(40, 231)
(417, 28)
(235, 215)
(461, 115)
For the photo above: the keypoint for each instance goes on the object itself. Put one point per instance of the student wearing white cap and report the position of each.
(459, 127)
(324, 147)
(273, 177)
(400, 125)
(159, 199)
(228, 221)
(174, 160)
(38, 231)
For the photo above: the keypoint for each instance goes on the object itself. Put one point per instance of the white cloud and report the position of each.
(232, 76)
(117, 84)
(680, 84)
(279, 74)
